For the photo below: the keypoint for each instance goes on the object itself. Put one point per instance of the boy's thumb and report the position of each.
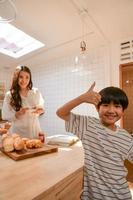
(92, 86)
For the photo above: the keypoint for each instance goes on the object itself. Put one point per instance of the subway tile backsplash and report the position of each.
(5, 78)
(61, 80)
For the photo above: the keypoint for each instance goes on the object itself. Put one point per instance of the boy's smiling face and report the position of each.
(109, 114)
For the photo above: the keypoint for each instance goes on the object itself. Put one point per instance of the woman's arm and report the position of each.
(39, 108)
(88, 97)
(8, 113)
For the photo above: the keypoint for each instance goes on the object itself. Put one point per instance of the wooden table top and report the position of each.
(27, 179)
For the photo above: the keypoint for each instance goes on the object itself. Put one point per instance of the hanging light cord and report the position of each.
(81, 10)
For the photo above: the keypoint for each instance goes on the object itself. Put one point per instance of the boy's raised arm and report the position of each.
(88, 97)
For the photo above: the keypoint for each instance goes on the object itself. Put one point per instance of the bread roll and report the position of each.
(8, 144)
(15, 142)
(18, 143)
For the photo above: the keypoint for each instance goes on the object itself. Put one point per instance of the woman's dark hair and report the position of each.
(115, 95)
(16, 101)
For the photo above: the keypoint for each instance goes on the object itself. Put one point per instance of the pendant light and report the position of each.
(7, 11)
(80, 59)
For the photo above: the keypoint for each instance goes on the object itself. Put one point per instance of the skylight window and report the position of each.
(16, 43)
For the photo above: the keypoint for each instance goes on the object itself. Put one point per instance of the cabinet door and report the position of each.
(71, 188)
(129, 167)
(126, 79)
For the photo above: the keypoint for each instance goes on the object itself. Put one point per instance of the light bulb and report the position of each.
(83, 46)
(80, 59)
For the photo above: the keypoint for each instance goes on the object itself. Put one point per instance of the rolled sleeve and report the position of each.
(75, 125)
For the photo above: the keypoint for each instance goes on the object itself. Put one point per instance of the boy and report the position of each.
(106, 145)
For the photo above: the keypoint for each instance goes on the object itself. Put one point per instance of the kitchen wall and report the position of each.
(61, 80)
(5, 78)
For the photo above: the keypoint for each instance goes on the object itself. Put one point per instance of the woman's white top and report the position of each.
(28, 124)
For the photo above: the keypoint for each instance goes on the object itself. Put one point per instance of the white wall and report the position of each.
(115, 62)
(58, 84)
(5, 78)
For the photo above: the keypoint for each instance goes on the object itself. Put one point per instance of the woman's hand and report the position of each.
(21, 112)
(3, 131)
(38, 110)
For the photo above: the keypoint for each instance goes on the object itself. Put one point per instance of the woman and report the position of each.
(23, 104)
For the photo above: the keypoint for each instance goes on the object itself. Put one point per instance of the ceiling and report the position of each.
(58, 24)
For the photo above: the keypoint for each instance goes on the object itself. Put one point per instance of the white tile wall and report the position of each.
(58, 84)
(5, 77)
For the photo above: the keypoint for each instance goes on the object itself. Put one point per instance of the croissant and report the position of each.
(33, 143)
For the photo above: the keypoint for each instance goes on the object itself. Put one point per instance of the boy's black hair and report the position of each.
(115, 95)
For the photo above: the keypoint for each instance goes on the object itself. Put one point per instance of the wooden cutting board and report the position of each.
(28, 153)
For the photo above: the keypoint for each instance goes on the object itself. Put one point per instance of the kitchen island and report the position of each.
(52, 176)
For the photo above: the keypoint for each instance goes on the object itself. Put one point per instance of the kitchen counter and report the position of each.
(48, 177)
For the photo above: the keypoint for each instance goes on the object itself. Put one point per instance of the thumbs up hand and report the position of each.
(92, 86)
(91, 96)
